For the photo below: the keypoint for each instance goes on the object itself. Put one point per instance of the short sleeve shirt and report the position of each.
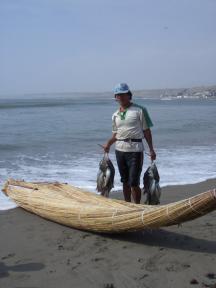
(131, 124)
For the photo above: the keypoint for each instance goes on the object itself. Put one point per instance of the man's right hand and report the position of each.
(106, 148)
(109, 143)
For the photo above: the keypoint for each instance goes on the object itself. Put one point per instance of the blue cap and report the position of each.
(121, 88)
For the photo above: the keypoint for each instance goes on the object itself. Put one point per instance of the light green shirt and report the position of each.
(130, 124)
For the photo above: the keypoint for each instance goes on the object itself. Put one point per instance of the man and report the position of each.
(130, 124)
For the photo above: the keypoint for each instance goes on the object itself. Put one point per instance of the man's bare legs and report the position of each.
(127, 192)
(136, 193)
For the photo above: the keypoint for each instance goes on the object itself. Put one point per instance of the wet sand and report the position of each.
(38, 253)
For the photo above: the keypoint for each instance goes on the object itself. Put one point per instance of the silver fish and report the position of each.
(152, 188)
(105, 176)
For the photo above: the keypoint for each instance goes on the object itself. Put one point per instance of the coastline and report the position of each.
(38, 253)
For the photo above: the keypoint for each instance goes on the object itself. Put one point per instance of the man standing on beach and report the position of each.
(130, 124)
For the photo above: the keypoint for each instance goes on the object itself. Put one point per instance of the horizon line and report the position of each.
(104, 92)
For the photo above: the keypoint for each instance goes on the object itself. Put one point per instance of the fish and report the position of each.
(105, 176)
(151, 187)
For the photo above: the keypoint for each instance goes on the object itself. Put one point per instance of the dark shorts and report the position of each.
(130, 166)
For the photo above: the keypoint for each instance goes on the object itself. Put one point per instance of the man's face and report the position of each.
(123, 99)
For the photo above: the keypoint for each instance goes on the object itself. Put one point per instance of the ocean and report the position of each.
(55, 139)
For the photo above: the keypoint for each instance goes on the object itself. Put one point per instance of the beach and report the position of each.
(35, 252)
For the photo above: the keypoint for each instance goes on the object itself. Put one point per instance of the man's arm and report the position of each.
(148, 138)
(109, 143)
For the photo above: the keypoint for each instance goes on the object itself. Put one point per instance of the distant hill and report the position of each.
(194, 92)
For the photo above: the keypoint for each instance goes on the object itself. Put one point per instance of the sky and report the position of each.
(91, 45)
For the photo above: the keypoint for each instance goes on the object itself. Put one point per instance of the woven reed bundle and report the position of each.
(84, 210)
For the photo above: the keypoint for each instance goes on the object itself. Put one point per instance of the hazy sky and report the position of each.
(77, 45)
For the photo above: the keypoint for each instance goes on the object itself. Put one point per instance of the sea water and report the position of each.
(55, 137)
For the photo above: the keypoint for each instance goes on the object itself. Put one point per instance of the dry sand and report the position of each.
(38, 253)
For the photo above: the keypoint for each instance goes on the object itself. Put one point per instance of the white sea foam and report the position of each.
(184, 165)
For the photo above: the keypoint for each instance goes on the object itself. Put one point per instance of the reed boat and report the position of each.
(80, 209)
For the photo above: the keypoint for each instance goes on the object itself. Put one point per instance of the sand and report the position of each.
(38, 253)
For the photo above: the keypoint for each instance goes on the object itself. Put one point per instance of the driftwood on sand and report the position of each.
(84, 210)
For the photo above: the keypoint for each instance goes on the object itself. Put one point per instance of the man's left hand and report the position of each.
(152, 154)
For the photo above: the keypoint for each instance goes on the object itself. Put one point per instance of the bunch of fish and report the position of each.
(151, 185)
(105, 176)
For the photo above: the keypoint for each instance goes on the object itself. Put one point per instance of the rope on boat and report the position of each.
(214, 193)
(114, 214)
(192, 208)
(142, 218)
(168, 215)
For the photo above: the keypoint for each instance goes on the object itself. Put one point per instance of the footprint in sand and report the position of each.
(177, 267)
(152, 263)
(8, 256)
